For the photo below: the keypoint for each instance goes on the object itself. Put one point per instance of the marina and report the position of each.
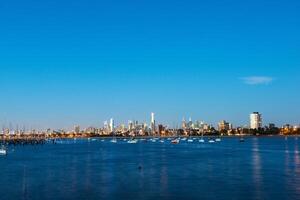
(133, 168)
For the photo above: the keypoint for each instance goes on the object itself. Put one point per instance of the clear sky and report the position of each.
(66, 62)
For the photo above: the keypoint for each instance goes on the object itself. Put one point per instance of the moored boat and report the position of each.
(175, 141)
(201, 140)
(133, 141)
(3, 151)
(211, 141)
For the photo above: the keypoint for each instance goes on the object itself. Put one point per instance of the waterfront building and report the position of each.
(161, 130)
(255, 120)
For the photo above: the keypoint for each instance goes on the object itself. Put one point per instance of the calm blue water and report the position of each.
(260, 168)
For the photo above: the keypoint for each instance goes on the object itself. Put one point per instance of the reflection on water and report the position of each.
(257, 174)
(260, 168)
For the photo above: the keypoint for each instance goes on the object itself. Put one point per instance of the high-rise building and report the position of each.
(111, 125)
(130, 125)
(255, 120)
(153, 129)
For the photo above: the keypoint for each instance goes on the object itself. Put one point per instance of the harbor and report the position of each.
(102, 169)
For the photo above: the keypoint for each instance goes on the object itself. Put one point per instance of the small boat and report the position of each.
(184, 139)
(242, 140)
(175, 141)
(162, 141)
(218, 140)
(202, 140)
(153, 140)
(114, 141)
(190, 140)
(211, 141)
(3, 151)
(133, 141)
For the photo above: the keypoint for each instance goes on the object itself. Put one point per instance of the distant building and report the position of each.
(153, 129)
(77, 129)
(190, 124)
(224, 126)
(255, 120)
(111, 125)
(130, 125)
(161, 130)
(272, 126)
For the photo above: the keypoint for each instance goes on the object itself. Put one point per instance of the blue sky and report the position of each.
(81, 62)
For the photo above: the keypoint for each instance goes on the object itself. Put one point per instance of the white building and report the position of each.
(255, 120)
(153, 123)
(112, 125)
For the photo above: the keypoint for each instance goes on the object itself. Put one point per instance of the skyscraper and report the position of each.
(255, 120)
(112, 125)
(153, 123)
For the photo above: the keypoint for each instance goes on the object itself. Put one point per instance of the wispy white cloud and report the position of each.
(257, 80)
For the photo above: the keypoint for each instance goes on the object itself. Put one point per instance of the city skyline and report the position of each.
(255, 122)
(87, 62)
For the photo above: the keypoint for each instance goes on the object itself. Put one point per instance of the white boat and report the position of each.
(211, 141)
(175, 141)
(162, 141)
(184, 139)
(153, 140)
(114, 141)
(202, 141)
(3, 151)
(218, 140)
(190, 140)
(133, 141)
